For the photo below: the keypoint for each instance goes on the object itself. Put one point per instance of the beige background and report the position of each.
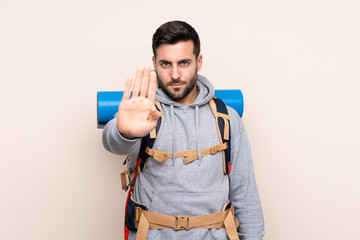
(297, 63)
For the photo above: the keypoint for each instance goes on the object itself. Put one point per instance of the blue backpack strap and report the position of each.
(223, 121)
(149, 140)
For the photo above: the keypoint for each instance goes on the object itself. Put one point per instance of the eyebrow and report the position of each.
(180, 61)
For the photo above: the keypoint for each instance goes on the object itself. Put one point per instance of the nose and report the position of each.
(175, 73)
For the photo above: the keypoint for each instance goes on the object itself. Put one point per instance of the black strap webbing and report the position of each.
(221, 108)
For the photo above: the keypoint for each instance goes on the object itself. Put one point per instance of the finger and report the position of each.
(145, 82)
(152, 87)
(127, 89)
(137, 83)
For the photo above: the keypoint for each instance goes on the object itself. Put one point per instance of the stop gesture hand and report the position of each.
(137, 115)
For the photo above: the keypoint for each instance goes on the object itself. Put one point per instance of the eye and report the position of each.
(184, 63)
(164, 64)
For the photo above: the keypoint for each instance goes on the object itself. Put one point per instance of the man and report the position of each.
(172, 187)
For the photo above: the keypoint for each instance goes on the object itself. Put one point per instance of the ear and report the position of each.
(199, 62)
(154, 62)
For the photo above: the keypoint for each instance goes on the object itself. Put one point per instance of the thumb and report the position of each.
(154, 114)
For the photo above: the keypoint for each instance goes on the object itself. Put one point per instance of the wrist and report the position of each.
(128, 137)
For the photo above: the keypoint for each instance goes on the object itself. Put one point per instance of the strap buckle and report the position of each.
(181, 222)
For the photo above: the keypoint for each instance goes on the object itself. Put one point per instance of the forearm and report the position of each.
(114, 142)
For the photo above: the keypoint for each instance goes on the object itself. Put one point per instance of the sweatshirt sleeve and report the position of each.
(243, 191)
(114, 142)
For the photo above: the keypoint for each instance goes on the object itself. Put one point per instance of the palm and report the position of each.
(137, 115)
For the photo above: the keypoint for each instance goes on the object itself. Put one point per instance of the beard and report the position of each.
(178, 94)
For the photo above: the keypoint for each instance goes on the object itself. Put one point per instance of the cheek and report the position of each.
(189, 73)
(163, 75)
(160, 72)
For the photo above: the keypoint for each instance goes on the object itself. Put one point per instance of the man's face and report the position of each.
(176, 66)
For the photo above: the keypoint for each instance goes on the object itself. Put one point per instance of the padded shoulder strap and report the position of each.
(149, 140)
(220, 112)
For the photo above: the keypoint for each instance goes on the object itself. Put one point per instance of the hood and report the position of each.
(206, 92)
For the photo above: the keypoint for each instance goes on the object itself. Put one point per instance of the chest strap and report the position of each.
(188, 156)
(145, 220)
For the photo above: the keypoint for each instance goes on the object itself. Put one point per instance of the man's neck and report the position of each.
(190, 98)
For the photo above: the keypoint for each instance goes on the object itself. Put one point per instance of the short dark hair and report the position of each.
(173, 32)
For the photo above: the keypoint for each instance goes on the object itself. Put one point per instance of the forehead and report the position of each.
(175, 52)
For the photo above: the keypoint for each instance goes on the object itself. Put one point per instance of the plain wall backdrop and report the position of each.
(297, 63)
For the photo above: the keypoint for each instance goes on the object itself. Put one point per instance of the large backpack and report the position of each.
(223, 126)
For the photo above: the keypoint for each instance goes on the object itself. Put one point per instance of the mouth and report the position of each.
(175, 85)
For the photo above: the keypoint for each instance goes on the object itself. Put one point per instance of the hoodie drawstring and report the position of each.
(197, 131)
(173, 128)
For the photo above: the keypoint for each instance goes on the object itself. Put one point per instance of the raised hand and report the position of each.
(137, 115)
